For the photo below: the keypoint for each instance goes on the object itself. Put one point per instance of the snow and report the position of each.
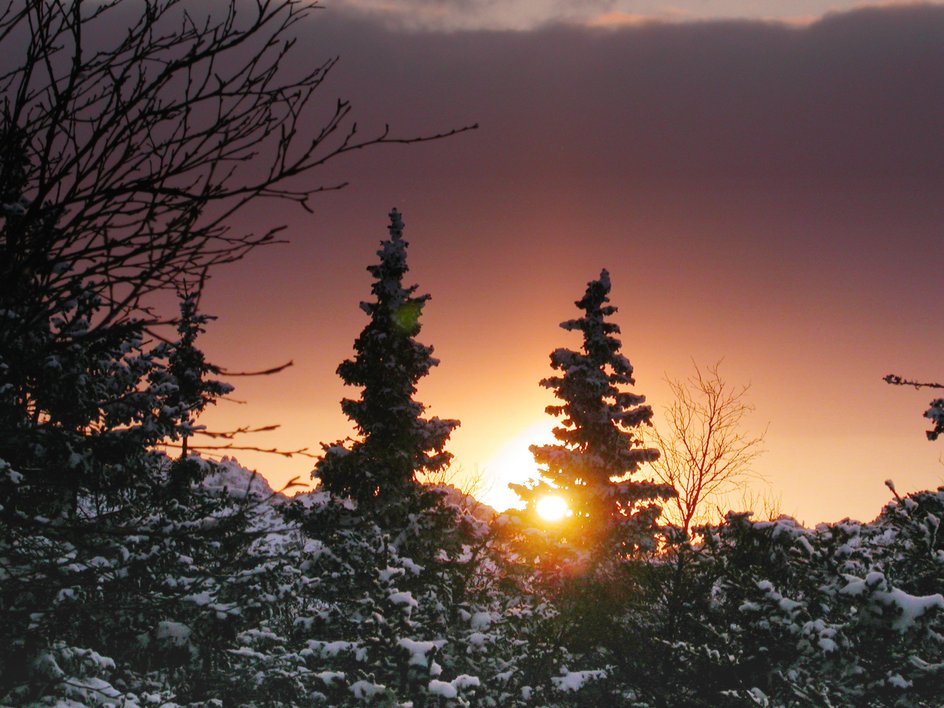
(466, 681)
(326, 649)
(450, 689)
(807, 546)
(247, 652)
(67, 594)
(419, 649)
(409, 565)
(481, 620)
(175, 633)
(237, 480)
(898, 681)
(90, 689)
(572, 681)
(365, 689)
(911, 606)
(874, 578)
(329, 677)
(403, 598)
(94, 658)
(389, 573)
(442, 689)
(854, 586)
(201, 598)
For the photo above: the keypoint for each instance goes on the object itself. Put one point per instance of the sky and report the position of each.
(450, 15)
(763, 180)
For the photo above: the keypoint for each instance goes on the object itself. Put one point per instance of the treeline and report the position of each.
(136, 579)
(312, 603)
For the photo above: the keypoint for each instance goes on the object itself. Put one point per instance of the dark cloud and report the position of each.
(853, 96)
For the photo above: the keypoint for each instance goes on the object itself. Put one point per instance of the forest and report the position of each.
(137, 568)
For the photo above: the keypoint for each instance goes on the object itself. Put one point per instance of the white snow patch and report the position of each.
(481, 620)
(573, 681)
(329, 677)
(365, 689)
(912, 606)
(389, 572)
(411, 566)
(404, 597)
(466, 681)
(443, 689)
(329, 649)
(419, 650)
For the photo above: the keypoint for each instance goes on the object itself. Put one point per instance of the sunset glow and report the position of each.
(723, 173)
(552, 508)
(514, 463)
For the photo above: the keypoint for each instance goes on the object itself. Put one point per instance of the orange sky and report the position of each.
(765, 195)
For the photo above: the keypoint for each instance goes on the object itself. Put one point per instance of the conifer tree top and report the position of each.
(396, 225)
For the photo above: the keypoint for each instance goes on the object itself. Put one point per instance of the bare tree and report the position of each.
(705, 451)
(470, 484)
(133, 132)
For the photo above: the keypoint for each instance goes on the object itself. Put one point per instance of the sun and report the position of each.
(552, 508)
(513, 462)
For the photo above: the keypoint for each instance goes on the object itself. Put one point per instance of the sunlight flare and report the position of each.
(513, 462)
(552, 508)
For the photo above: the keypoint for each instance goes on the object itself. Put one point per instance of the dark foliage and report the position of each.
(396, 443)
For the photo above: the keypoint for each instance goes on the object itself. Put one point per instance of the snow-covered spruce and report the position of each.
(396, 443)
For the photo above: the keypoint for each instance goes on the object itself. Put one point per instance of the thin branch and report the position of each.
(266, 372)
(302, 452)
(896, 380)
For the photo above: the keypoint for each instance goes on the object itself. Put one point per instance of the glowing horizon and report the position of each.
(765, 195)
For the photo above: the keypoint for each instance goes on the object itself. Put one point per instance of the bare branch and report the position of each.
(146, 129)
(301, 452)
(265, 372)
(705, 452)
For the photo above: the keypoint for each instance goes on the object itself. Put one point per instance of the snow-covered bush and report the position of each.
(846, 613)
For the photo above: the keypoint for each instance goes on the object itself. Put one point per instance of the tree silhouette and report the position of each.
(396, 443)
(599, 449)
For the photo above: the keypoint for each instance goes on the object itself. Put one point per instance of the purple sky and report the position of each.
(765, 193)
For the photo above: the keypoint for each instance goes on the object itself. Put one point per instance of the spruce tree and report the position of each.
(599, 449)
(188, 368)
(396, 443)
